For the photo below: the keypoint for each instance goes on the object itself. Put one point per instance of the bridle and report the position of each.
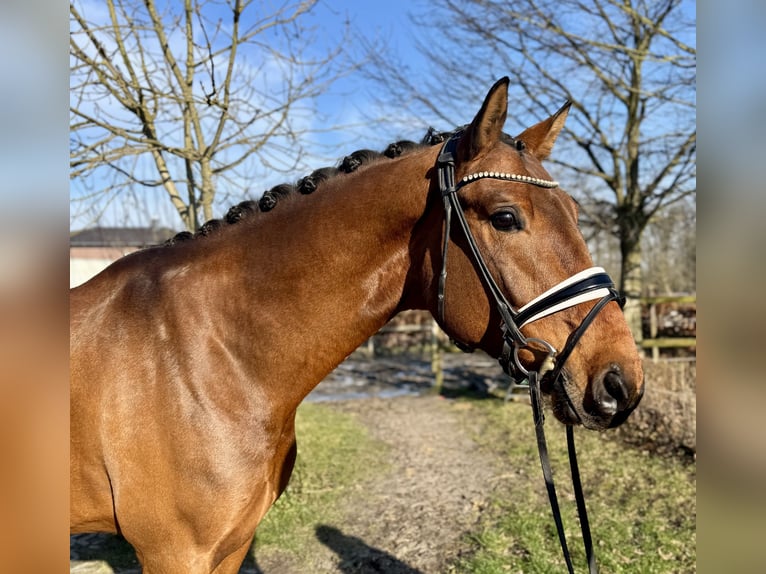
(588, 285)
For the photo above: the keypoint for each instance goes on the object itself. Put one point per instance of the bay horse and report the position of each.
(188, 361)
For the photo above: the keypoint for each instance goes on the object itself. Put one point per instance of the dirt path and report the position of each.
(412, 517)
(409, 519)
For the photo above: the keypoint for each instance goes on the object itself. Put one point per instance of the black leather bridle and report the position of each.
(588, 285)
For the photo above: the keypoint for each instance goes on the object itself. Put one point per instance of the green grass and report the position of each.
(642, 508)
(335, 452)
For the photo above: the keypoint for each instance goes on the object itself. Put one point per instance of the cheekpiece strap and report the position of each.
(446, 164)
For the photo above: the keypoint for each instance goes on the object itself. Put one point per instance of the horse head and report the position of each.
(514, 263)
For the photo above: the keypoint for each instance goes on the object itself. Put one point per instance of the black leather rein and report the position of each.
(588, 285)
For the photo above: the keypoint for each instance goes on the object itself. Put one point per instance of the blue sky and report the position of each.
(346, 103)
(386, 22)
(349, 102)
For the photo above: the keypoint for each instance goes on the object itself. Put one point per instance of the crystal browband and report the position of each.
(508, 177)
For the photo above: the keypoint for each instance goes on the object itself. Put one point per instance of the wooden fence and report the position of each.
(656, 343)
(432, 340)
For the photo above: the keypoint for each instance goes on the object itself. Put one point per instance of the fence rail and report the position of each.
(433, 340)
(656, 343)
(669, 342)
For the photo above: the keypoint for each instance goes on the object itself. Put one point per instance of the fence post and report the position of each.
(653, 330)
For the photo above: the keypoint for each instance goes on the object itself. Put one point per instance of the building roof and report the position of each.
(120, 236)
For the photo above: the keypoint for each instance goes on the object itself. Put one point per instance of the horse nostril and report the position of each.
(616, 389)
(610, 394)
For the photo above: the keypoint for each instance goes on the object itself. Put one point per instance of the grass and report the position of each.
(642, 508)
(335, 452)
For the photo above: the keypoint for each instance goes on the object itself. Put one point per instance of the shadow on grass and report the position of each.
(357, 557)
(118, 554)
(112, 549)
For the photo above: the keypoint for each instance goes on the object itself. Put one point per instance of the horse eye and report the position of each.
(505, 220)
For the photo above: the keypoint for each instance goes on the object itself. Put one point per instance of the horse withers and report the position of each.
(188, 360)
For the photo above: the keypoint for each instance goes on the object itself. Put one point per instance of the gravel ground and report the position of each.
(412, 517)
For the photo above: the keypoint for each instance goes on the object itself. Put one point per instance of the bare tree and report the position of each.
(628, 67)
(670, 250)
(184, 97)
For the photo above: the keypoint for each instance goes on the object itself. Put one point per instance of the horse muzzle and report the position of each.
(606, 402)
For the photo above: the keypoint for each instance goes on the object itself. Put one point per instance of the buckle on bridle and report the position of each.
(548, 363)
(511, 363)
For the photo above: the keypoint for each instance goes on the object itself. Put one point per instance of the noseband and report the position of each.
(588, 285)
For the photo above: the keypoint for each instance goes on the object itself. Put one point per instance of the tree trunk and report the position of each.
(207, 192)
(631, 281)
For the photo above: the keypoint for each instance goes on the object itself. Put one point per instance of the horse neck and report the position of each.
(318, 276)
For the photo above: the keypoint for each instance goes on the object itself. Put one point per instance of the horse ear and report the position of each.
(485, 129)
(539, 139)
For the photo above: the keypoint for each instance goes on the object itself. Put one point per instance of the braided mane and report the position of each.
(310, 183)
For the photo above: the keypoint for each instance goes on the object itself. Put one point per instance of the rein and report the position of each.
(588, 285)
